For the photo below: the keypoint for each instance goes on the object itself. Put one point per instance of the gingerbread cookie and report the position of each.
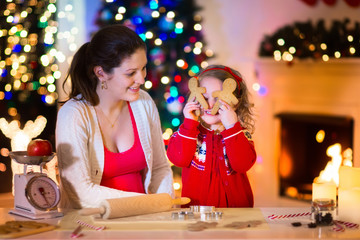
(246, 224)
(196, 92)
(201, 225)
(229, 86)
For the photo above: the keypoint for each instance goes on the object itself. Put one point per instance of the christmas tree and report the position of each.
(176, 51)
(27, 68)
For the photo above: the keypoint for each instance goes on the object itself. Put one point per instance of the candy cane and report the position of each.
(90, 226)
(76, 233)
(347, 224)
(274, 217)
(338, 227)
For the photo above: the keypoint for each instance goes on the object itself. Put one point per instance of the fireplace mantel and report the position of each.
(303, 87)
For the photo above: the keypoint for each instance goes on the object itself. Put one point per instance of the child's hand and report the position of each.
(190, 108)
(227, 114)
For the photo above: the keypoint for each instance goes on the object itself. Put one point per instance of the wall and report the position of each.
(234, 28)
(78, 18)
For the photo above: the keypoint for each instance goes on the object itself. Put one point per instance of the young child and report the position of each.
(216, 151)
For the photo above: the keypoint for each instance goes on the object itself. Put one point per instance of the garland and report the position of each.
(307, 40)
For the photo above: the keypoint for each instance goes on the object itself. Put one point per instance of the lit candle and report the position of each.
(349, 177)
(349, 194)
(324, 190)
(349, 205)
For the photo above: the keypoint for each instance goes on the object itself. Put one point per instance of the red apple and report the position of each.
(39, 147)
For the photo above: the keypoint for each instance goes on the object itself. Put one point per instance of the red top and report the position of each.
(122, 170)
(213, 165)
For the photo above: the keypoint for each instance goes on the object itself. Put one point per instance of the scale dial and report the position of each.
(42, 193)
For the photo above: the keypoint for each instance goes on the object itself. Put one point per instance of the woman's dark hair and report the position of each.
(107, 48)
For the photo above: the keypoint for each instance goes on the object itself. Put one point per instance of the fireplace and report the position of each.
(303, 93)
(304, 141)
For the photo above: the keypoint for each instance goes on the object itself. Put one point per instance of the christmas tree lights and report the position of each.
(27, 63)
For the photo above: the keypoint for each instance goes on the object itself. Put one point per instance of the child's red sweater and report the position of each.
(213, 165)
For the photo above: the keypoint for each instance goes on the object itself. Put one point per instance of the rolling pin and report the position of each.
(132, 206)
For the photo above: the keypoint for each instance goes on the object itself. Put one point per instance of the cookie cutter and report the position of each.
(206, 216)
(202, 209)
(182, 215)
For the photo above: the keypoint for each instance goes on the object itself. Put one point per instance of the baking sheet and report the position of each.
(232, 219)
(24, 231)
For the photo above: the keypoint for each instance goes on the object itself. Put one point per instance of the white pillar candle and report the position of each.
(324, 190)
(349, 177)
(349, 205)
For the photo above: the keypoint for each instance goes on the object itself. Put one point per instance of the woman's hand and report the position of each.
(190, 108)
(227, 114)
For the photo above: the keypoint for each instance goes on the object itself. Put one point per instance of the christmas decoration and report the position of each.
(351, 3)
(20, 138)
(176, 51)
(307, 40)
(27, 67)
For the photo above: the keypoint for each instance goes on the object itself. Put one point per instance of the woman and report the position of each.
(108, 135)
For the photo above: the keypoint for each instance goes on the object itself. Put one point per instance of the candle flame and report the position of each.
(331, 170)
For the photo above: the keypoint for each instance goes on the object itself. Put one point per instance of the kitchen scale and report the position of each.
(35, 194)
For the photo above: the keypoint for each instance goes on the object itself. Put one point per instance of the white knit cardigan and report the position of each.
(80, 152)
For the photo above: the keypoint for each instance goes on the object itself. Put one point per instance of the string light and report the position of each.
(158, 42)
(197, 27)
(352, 50)
(256, 86)
(19, 67)
(170, 14)
(155, 14)
(177, 186)
(175, 122)
(167, 134)
(281, 42)
(180, 63)
(165, 80)
(20, 138)
(323, 46)
(319, 42)
(148, 84)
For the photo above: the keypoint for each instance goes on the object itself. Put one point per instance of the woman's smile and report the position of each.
(134, 89)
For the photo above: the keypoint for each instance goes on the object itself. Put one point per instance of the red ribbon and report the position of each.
(227, 69)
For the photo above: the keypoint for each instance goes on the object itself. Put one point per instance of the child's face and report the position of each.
(211, 84)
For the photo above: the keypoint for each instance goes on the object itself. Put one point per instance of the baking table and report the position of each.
(271, 229)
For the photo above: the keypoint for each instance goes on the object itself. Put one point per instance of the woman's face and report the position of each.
(125, 81)
(211, 84)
